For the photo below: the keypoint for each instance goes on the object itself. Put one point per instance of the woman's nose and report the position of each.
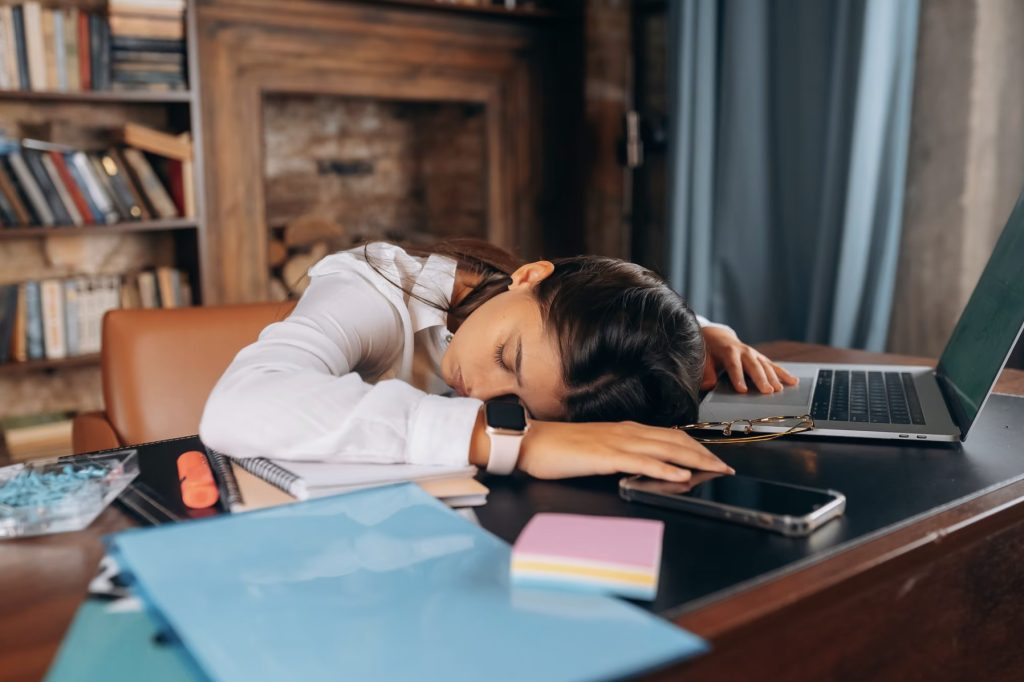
(495, 388)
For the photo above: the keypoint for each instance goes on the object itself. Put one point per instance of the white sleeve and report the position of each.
(296, 393)
(705, 322)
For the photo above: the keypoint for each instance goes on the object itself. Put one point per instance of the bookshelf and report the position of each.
(124, 247)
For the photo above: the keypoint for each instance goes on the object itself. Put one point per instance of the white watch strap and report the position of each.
(504, 453)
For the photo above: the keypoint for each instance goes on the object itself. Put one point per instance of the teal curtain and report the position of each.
(789, 123)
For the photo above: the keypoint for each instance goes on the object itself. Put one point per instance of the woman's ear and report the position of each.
(531, 274)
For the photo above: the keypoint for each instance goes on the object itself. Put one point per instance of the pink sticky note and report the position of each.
(625, 542)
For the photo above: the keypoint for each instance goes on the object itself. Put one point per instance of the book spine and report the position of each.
(34, 322)
(106, 212)
(32, 190)
(96, 51)
(88, 336)
(147, 289)
(165, 286)
(131, 182)
(19, 340)
(73, 187)
(51, 293)
(7, 52)
(84, 51)
(59, 57)
(35, 165)
(63, 194)
(119, 186)
(100, 173)
(7, 215)
(8, 314)
(150, 183)
(20, 46)
(71, 316)
(8, 187)
(34, 45)
(146, 44)
(74, 82)
(50, 46)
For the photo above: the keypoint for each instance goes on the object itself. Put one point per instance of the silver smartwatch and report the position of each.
(506, 426)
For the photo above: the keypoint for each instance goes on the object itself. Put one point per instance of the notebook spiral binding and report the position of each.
(274, 475)
(221, 464)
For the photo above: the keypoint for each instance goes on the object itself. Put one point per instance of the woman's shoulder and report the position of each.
(376, 259)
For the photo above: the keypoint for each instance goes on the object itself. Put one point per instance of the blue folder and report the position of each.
(384, 584)
(106, 642)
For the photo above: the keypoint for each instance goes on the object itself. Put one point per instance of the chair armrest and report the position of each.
(91, 431)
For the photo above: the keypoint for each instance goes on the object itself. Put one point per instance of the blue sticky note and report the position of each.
(385, 584)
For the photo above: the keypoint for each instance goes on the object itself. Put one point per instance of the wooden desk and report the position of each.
(937, 598)
(940, 598)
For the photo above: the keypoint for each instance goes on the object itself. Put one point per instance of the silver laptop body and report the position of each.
(906, 401)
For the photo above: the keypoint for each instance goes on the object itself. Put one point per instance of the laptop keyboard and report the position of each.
(870, 397)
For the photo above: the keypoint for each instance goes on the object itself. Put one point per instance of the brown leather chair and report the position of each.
(159, 366)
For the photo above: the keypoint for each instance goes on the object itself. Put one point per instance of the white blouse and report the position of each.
(353, 374)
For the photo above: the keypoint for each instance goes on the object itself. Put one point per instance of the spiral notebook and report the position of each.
(307, 480)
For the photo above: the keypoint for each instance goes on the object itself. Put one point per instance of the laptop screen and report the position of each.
(985, 333)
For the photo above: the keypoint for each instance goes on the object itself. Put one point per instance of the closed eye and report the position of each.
(499, 357)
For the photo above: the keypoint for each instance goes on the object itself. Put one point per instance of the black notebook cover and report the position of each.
(154, 497)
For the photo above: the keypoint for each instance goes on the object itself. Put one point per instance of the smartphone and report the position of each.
(781, 507)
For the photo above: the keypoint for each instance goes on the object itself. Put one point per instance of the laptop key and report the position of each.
(878, 406)
(822, 395)
(858, 397)
(840, 409)
(898, 411)
(913, 404)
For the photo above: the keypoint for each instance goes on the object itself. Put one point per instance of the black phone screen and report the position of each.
(746, 493)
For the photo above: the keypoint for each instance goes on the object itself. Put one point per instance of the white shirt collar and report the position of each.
(435, 282)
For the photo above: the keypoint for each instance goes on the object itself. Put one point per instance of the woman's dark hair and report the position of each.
(631, 349)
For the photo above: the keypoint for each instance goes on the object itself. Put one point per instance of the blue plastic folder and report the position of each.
(384, 584)
(115, 645)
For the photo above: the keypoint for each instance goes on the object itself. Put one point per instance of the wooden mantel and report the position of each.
(520, 71)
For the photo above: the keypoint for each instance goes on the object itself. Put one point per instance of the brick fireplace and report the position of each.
(382, 120)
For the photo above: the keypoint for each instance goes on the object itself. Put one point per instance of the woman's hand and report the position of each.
(565, 449)
(724, 349)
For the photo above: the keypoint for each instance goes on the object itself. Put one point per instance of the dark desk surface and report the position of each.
(907, 508)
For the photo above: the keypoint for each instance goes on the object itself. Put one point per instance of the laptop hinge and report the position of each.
(952, 400)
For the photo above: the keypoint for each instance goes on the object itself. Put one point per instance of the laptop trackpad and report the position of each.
(725, 403)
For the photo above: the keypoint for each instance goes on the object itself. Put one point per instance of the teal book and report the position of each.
(34, 321)
(109, 642)
(382, 584)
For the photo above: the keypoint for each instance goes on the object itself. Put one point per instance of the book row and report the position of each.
(132, 46)
(47, 184)
(54, 319)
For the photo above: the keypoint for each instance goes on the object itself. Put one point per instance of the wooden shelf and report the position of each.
(68, 230)
(488, 10)
(8, 368)
(113, 96)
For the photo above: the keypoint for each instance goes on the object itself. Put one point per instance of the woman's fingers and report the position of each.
(785, 376)
(648, 466)
(673, 445)
(734, 368)
(755, 370)
(771, 373)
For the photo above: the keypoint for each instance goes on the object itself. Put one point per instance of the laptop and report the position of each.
(906, 402)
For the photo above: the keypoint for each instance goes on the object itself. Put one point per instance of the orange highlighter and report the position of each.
(198, 487)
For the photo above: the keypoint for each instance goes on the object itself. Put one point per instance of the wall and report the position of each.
(376, 168)
(966, 162)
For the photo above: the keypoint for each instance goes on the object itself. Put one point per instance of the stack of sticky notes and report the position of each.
(604, 554)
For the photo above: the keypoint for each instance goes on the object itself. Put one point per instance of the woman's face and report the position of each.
(503, 348)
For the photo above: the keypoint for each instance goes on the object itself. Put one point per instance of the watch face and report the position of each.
(506, 415)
